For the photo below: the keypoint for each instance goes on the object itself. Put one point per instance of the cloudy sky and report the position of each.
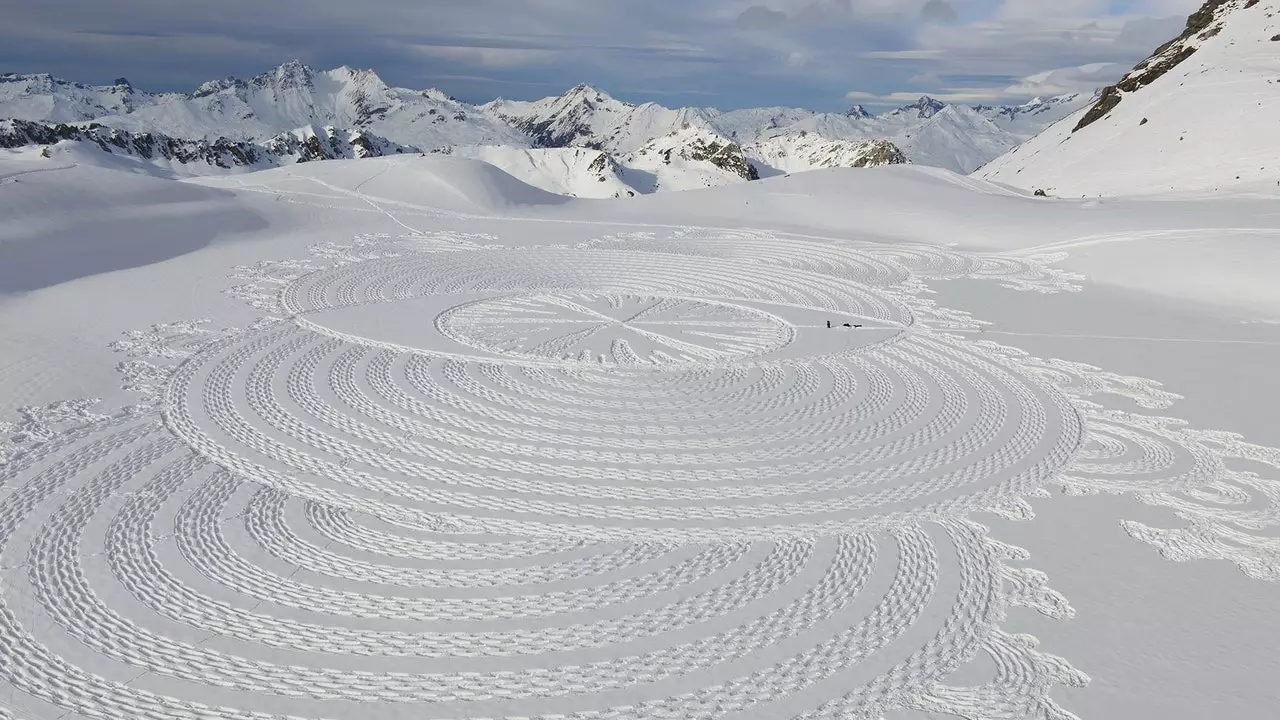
(823, 54)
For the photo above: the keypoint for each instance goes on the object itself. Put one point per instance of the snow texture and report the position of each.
(407, 437)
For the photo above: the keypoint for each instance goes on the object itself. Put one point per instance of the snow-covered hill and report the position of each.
(1199, 115)
(576, 172)
(689, 157)
(956, 138)
(801, 151)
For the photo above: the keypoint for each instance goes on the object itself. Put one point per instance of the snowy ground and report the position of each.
(452, 446)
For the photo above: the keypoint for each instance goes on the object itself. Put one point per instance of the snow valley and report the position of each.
(583, 143)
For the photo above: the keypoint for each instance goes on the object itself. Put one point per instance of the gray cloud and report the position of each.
(759, 17)
(939, 11)
(723, 52)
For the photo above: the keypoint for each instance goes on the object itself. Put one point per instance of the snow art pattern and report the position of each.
(638, 478)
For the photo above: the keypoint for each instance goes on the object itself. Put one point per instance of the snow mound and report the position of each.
(61, 220)
(1196, 117)
(576, 172)
(439, 182)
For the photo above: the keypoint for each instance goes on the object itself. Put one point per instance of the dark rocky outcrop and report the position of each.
(881, 152)
(327, 144)
(724, 155)
(1201, 25)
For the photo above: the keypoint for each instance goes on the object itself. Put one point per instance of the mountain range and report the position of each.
(584, 142)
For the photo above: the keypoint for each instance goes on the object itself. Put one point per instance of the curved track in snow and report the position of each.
(641, 479)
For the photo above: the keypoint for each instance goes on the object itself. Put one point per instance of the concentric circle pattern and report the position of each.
(615, 396)
(720, 476)
(616, 329)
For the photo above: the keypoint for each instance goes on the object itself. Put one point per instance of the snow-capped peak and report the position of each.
(858, 111)
(926, 107)
(292, 74)
(585, 91)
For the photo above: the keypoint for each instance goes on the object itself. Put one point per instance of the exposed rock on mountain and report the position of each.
(1202, 25)
(588, 117)
(797, 152)
(574, 118)
(690, 157)
(924, 108)
(221, 154)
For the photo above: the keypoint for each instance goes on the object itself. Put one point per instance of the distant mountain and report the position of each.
(928, 132)
(1198, 115)
(588, 117)
(294, 113)
(800, 151)
(194, 156)
(290, 96)
(1031, 118)
(923, 109)
(961, 140)
(691, 156)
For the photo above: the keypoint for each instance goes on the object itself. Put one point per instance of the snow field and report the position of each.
(633, 477)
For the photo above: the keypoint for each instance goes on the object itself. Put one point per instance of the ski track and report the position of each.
(638, 478)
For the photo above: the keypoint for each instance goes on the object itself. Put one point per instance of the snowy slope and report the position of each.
(1198, 116)
(44, 98)
(956, 138)
(406, 437)
(576, 172)
(63, 218)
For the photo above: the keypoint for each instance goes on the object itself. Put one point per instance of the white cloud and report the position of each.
(489, 57)
(1082, 78)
